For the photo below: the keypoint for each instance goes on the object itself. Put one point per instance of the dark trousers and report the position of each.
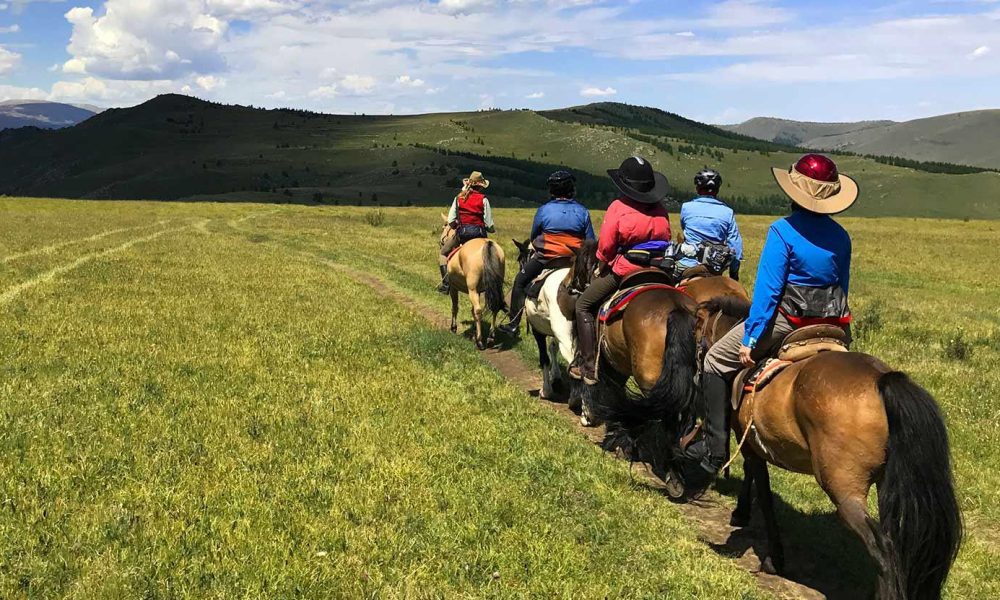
(597, 293)
(529, 271)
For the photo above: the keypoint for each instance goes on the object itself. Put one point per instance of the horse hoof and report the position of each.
(738, 520)
(480, 346)
(767, 566)
(453, 328)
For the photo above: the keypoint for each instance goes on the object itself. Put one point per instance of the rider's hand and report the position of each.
(745, 356)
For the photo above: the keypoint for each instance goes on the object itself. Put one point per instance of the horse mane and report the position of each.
(731, 306)
(584, 261)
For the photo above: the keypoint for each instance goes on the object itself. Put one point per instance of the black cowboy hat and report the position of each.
(638, 181)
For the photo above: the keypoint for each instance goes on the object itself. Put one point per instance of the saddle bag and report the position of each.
(716, 257)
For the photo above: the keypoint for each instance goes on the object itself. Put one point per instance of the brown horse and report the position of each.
(652, 343)
(850, 421)
(477, 269)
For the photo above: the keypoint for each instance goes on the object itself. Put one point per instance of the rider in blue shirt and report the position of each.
(708, 219)
(803, 279)
(560, 227)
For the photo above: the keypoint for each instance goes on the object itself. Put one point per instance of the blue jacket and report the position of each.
(804, 249)
(709, 219)
(560, 226)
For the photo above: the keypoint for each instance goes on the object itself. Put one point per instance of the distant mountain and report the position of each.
(45, 115)
(966, 138)
(179, 148)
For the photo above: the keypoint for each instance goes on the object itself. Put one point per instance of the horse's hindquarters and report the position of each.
(817, 411)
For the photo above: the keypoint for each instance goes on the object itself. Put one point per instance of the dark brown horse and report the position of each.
(851, 421)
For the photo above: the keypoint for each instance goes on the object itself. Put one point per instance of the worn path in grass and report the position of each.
(710, 516)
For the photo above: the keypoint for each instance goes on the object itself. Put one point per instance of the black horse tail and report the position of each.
(918, 511)
(493, 274)
(670, 401)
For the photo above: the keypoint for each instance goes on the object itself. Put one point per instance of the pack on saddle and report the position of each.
(713, 260)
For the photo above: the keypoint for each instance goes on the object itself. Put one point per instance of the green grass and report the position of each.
(180, 148)
(917, 283)
(217, 413)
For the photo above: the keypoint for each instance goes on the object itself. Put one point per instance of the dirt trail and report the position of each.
(709, 514)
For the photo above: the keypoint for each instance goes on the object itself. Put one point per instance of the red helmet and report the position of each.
(818, 167)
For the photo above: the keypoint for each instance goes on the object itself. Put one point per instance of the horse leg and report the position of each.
(555, 372)
(454, 309)
(477, 316)
(543, 364)
(744, 503)
(773, 560)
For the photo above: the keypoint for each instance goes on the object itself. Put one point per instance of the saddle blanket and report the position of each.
(756, 378)
(620, 301)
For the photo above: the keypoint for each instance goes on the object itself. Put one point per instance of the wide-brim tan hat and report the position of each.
(827, 197)
(476, 179)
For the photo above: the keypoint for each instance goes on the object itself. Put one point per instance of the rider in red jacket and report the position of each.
(470, 216)
(637, 219)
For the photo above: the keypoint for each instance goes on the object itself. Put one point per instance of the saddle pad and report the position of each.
(756, 378)
(535, 288)
(620, 300)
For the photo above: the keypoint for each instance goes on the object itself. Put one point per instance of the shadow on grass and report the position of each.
(820, 552)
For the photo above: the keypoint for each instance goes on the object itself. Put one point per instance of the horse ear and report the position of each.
(444, 218)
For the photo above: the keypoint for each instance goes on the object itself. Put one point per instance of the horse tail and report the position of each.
(669, 401)
(493, 274)
(918, 512)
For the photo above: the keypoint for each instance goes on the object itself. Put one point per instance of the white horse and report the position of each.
(551, 323)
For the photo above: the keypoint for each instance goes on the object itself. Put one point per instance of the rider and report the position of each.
(803, 279)
(470, 216)
(637, 218)
(560, 227)
(708, 219)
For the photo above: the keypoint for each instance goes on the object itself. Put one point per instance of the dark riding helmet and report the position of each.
(562, 184)
(708, 180)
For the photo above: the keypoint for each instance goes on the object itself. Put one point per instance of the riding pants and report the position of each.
(531, 269)
(723, 359)
(462, 235)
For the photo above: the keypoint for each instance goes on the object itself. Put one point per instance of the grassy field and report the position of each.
(197, 403)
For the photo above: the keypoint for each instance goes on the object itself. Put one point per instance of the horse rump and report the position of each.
(642, 424)
(918, 512)
(493, 275)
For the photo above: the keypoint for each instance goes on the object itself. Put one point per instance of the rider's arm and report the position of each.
(735, 241)
(488, 215)
(536, 225)
(590, 228)
(844, 266)
(768, 287)
(607, 243)
(453, 212)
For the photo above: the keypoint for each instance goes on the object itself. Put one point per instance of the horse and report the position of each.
(477, 269)
(850, 421)
(550, 318)
(652, 343)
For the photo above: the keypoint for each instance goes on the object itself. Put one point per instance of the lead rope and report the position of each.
(746, 432)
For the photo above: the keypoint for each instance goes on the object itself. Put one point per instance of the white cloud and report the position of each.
(8, 60)
(979, 52)
(358, 84)
(535, 96)
(591, 92)
(10, 28)
(208, 82)
(407, 81)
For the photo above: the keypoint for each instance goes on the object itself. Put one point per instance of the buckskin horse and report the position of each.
(477, 269)
(850, 421)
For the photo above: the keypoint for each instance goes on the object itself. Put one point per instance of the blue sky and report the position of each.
(719, 61)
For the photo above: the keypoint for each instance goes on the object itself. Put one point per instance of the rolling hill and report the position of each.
(179, 148)
(966, 138)
(46, 115)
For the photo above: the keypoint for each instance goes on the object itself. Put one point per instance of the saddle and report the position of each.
(631, 287)
(535, 287)
(801, 344)
(692, 273)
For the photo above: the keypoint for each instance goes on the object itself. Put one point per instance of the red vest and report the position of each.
(470, 210)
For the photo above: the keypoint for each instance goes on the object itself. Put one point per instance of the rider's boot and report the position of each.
(517, 297)
(444, 288)
(586, 344)
(704, 458)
